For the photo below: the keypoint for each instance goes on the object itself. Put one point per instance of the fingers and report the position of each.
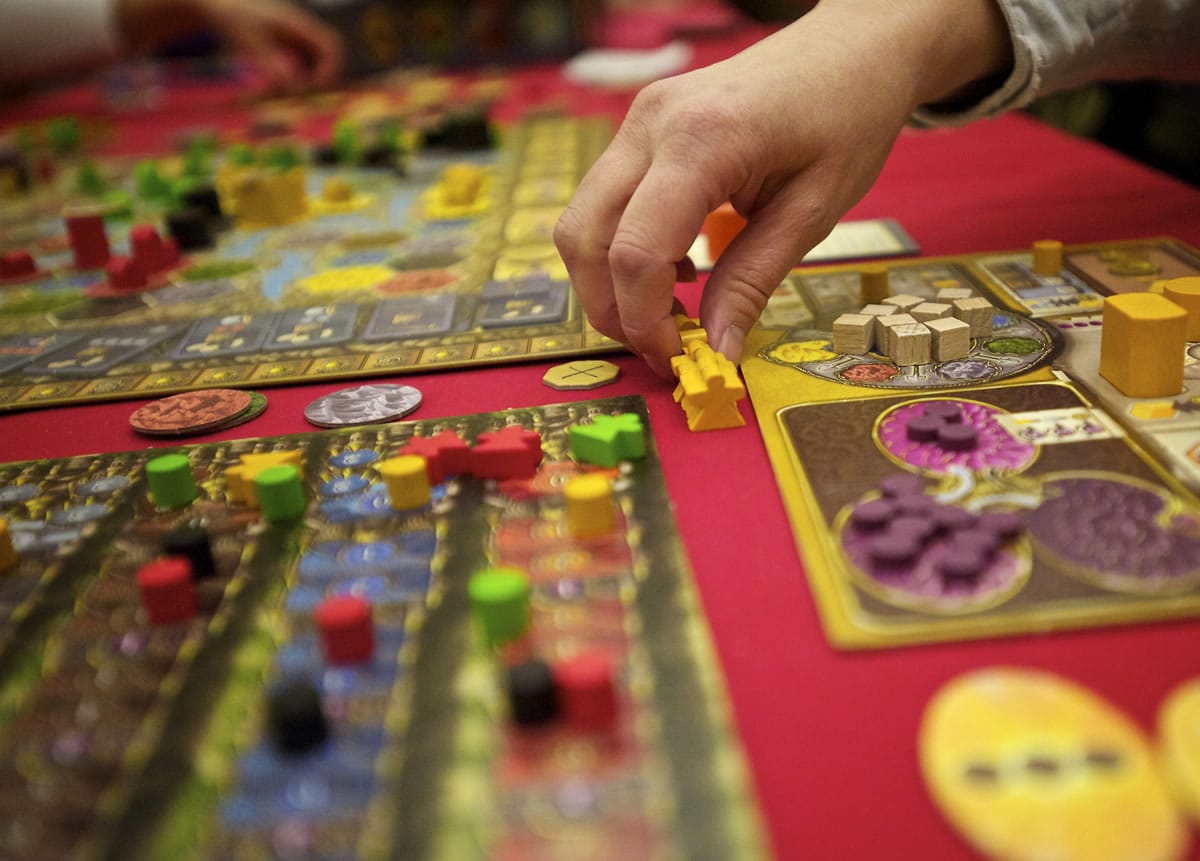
(586, 227)
(293, 49)
(319, 44)
(759, 258)
(661, 221)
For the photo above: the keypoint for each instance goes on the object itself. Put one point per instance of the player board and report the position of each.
(232, 730)
(441, 257)
(1008, 489)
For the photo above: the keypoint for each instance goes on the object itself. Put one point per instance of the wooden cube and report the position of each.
(884, 327)
(875, 312)
(903, 302)
(949, 294)
(910, 344)
(951, 338)
(853, 334)
(1142, 342)
(927, 311)
(977, 313)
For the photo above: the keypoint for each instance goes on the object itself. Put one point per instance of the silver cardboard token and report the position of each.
(363, 405)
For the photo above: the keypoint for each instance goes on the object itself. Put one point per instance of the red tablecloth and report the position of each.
(831, 737)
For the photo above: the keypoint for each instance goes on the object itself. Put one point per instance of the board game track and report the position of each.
(183, 703)
(247, 328)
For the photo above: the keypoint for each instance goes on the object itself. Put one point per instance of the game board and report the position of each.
(121, 738)
(371, 272)
(1083, 498)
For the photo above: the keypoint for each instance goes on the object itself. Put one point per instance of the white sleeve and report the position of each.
(43, 36)
(1059, 45)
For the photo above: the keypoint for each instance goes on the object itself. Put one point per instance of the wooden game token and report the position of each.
(190, 412)
(1028, 765)
(361, 405)
(580, 375)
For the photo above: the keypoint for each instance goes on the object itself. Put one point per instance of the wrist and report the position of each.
(948, 49)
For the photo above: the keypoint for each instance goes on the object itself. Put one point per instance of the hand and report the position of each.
(792, 131)
(294, 50)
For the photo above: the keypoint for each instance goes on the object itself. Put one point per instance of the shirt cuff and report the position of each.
(1017, 90)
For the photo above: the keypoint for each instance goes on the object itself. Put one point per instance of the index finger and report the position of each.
(659, 225)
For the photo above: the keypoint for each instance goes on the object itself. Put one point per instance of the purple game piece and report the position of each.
(1005, 524)
(914, 504)
(983, 540)
(918, 527)
(923, 428)
(888, 549)
(901, 484)
(869, 516)
(951, 518)
(957, 437)
(947, 411)
(961, 566)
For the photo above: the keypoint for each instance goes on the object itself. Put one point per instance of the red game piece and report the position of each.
(146, 247)
(89, 240)
(510, 453)
(170, 252)
(346, 633)
(428, 449)
(125, 274)
(17, 264)
(168, 593)
(587, 695)
(445, 454)
(454, 453)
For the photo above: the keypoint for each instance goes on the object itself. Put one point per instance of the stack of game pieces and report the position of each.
(198, 412)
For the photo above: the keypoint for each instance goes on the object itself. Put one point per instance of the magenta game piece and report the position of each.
(915, 526)
(876, 514)
(957, 437)
(1005, 524)
(951, 518)
(901, 484)
(961, 565)
(977, 538)
(915, 504)
(947, 411)
(923, 428)
(889, 549)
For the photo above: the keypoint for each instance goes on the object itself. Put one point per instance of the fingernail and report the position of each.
(730, 345)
